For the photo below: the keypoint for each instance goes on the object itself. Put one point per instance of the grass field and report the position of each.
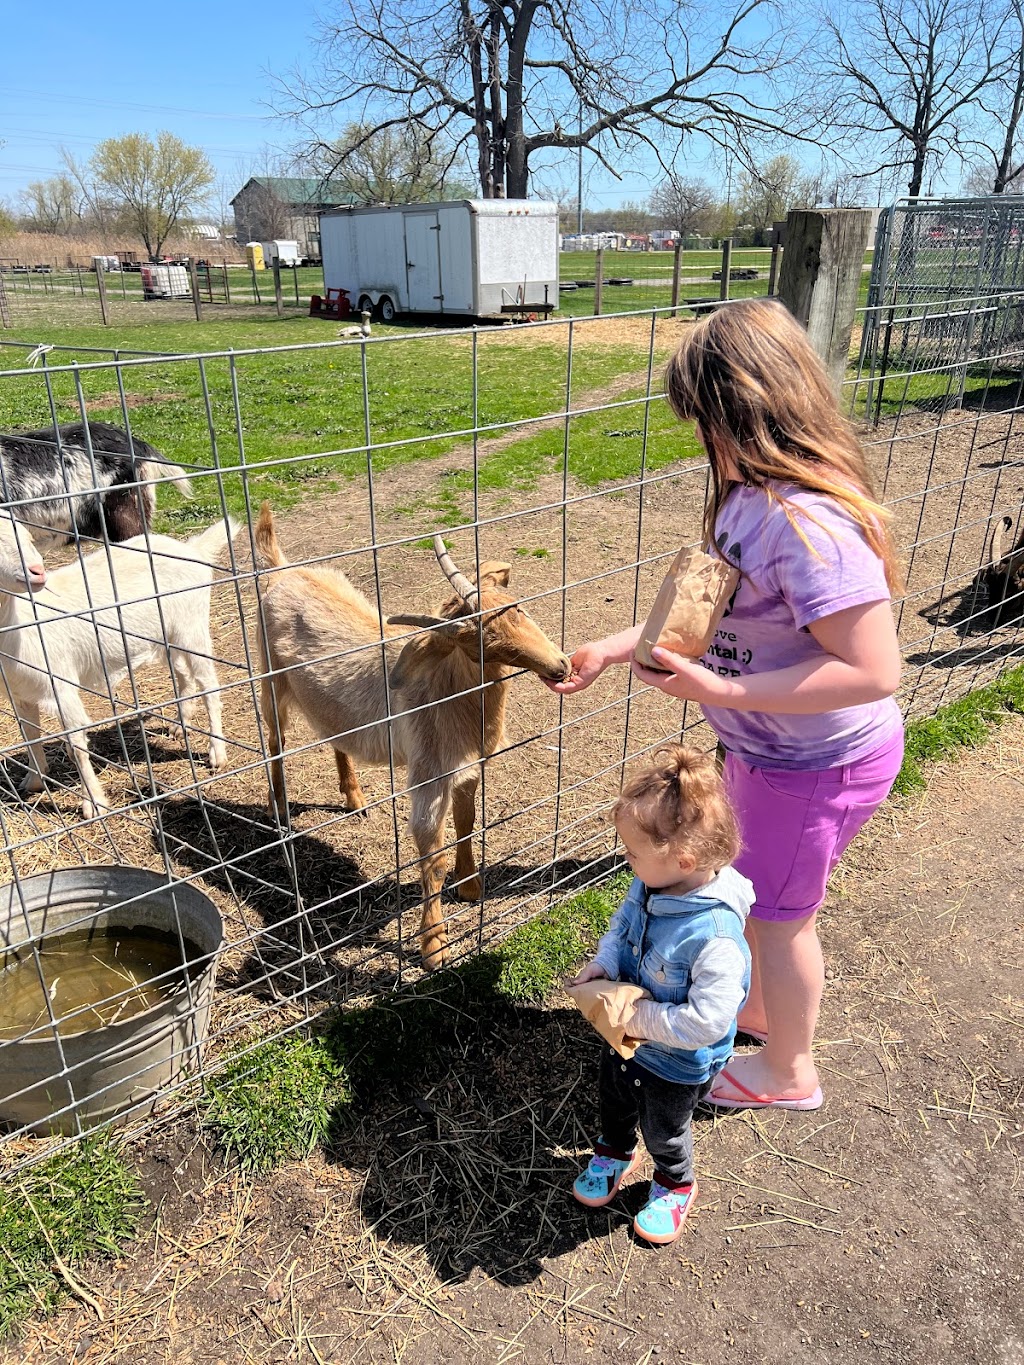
(301, 420)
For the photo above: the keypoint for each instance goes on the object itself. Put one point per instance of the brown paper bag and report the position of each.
(609, 1006)
(688, 607)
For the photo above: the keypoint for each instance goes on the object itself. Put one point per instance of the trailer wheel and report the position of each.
(365, 304)
(386, 309)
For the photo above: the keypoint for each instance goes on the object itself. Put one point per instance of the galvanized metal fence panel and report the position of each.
(401, 437)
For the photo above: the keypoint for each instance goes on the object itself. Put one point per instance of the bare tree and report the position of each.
(769, 190)
(910, 75)
(394, 166)
(684, 204)
(53, 205)
(519, 81)
(1004, 103)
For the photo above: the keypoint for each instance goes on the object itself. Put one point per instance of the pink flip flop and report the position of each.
(751, 1100)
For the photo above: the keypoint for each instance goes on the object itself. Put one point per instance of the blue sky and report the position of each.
(201, 72)
(198, 70)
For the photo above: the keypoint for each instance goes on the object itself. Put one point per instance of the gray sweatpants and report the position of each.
(632, 1097)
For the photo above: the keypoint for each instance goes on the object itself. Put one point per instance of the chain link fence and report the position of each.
(546, 458)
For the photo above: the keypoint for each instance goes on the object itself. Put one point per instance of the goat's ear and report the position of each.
(494, 573)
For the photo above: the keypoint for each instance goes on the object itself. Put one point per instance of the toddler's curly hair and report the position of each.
(678, 800)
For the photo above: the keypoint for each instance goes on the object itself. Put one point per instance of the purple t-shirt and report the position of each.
(783, 588)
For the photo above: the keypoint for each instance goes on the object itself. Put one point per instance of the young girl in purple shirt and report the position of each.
(798, 681)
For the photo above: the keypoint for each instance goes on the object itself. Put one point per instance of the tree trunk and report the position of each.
(517, 171)
(917, 172)
(497, 149)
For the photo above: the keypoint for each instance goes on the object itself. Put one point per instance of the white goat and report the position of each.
(81, 627)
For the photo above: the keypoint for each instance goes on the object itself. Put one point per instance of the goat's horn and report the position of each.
(467, 591)
(409, 619)
(996, 546)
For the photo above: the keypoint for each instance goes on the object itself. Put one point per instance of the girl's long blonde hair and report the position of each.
(748, 375)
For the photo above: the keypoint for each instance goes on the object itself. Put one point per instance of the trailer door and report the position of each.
(423, 262)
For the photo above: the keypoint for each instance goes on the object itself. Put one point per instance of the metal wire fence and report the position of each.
(547, 459)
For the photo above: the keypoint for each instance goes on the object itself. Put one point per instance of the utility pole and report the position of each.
(579, 186)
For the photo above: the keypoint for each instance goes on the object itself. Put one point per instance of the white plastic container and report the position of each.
(165, 282)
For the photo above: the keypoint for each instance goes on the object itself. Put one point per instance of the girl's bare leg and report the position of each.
(792, 980)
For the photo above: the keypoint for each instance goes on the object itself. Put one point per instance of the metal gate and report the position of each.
(946, 292)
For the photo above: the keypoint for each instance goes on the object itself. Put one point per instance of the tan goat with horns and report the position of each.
(324, 638)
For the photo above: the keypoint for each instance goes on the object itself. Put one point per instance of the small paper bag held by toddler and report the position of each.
(688, 608)
(609, 1006)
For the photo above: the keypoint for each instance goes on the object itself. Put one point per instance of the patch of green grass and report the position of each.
(539, 954)
(275, 1102)
(966, 722)
(301, 422)
(79, 1204)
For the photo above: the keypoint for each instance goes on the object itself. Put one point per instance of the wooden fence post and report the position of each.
(675, 277)
(194, 282)
(277, 287)
(723, 293)
(820, 278)
(101, 285)
(773, 271)
(598, 281)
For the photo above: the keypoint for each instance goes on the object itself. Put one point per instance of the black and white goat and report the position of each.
(1001, 580)
(49, 482)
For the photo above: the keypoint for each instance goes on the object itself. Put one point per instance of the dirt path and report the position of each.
(886, 1227)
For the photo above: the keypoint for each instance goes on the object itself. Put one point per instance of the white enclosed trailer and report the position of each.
(473, 257)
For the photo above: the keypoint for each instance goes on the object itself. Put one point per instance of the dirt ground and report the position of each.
(886, 1226)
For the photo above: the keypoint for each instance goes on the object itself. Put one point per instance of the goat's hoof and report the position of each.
(92, 810)
(435, 952)
(31, 786)
(470, 888)
(218, 758)
(359, 808)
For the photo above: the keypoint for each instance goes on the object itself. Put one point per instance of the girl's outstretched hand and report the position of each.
(591, 972)
(588, 663)
(688, 680)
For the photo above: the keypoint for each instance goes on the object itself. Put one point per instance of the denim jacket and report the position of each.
(689, 953)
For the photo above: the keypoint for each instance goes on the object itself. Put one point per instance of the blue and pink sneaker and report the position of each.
(599, 1183)
(661, 1219)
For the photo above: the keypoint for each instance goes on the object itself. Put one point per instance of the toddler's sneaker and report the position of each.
(599, 1183)
(661, 1219)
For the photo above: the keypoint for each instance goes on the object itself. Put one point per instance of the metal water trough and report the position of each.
(57, 1080)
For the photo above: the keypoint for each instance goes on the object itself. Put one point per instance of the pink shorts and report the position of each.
(796, 826)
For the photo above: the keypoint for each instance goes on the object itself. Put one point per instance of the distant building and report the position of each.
(285, 207)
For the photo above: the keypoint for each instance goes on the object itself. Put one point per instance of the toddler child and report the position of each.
(679, 935)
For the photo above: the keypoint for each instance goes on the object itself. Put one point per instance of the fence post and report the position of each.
(723, 293)
(227, 287)
(820, 278)
(193, 279)
(675, 277)
(277, 287)
(295, 282)
(255, 286)
(773, 271)
(81, 286)
(5, 309)
(598, 281)
(101, 285)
